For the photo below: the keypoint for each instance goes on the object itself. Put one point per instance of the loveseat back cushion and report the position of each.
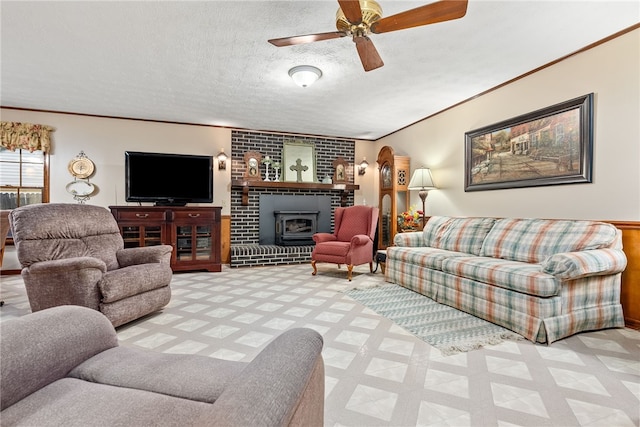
(40, 348)
(50, 231)
(533, 240)
(457, 234)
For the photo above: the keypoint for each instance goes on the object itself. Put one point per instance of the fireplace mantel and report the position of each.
(245, 186)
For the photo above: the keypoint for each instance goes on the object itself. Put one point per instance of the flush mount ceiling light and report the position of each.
(305, 75)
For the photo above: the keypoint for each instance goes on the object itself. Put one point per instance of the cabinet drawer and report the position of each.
(206, 215)
(140, 216)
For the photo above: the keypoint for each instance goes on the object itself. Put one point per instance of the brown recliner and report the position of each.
(73, 254)
(352, 240)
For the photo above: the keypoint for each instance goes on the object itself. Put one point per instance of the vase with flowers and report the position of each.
(410, 220)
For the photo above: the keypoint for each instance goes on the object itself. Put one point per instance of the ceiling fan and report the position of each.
(359, 18)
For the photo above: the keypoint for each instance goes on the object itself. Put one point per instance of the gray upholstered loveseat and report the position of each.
(544, 279)
(63, 367)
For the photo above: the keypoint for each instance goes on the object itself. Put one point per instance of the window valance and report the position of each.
(26, 136)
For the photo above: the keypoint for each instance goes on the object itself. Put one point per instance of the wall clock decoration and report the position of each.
(252, 160)
(81, 166)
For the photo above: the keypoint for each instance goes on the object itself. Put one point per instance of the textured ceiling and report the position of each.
(209, 62)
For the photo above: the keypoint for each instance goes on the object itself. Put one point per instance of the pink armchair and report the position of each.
(352, 240)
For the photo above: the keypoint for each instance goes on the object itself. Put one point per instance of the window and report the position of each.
(24, 178)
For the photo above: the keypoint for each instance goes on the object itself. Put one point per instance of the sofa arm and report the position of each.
(574, 265)
(412, 238)
(40, 348)
(283, 385)
(144, 255)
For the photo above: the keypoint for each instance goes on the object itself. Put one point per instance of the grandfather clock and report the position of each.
(394, 193)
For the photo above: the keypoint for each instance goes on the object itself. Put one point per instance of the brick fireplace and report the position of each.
(246, 248)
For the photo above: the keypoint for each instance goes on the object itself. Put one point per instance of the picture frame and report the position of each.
(553, 145)
(305, 152)
(340, 166)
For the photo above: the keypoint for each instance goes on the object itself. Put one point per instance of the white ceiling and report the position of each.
(209, 62)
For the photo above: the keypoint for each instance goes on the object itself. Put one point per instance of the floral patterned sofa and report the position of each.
(544, 279)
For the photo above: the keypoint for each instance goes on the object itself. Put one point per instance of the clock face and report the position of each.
(253, 163)
(385, 172)
(81, 168)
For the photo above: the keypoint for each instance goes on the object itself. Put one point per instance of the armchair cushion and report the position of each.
(74, 230)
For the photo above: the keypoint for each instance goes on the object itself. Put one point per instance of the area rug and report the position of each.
(449, 330)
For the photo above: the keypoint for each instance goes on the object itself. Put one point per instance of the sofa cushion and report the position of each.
(518, 276)
(457, 234)
(133, 280)
(71, 402)
(533, 240)
(178, 375)
(424, 257)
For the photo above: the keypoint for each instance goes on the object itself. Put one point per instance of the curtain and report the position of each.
(26, 136)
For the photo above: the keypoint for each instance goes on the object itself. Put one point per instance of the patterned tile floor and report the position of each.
(376, 373)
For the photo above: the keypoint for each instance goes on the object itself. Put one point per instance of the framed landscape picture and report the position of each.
(550, 146)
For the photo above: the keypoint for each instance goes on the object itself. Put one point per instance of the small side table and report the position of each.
(381, 259)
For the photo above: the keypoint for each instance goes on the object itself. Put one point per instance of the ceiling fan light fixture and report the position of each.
(305, 75)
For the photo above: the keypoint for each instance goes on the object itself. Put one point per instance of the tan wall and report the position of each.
(610, 71)
(105, 140)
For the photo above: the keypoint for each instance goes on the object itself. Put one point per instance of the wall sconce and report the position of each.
(423, 181)
(222, 160)
(362, 167)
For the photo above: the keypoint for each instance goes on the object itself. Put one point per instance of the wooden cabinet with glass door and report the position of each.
(193, 232)
(394, 193)
(197, 238)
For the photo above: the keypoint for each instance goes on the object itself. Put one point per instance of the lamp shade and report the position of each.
(422, 180)
(304, 75)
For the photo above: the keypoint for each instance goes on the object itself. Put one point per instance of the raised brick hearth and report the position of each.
(245, 230)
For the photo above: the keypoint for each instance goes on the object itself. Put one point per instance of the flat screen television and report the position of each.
(168, 179)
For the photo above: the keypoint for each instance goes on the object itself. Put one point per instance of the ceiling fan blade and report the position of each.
(443, 10)
(368, 54)
(290, 41)
(351, 10)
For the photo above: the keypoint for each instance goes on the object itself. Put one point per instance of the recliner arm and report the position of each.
(144, 255)
(64, 281)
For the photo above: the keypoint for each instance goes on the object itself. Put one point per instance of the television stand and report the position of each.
(193, 232)
(171, 203)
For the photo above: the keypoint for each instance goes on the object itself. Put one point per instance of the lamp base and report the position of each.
(423, 196)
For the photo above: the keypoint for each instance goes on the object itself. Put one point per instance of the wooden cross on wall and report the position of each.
(299, 168)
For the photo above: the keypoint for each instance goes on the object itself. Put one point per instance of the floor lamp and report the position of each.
(423, 181)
